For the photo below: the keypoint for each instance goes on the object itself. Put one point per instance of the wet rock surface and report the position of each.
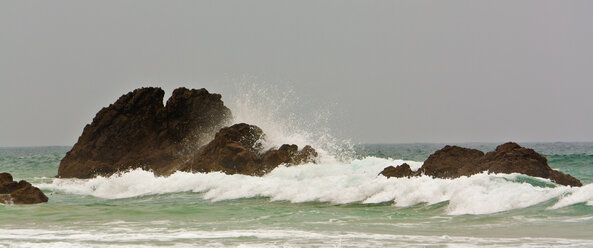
(21, 192)
(403, 170)
(455, 161)
(138, 131)
(186, 134)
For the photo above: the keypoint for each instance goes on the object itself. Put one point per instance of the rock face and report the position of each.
(455, 161)
(21, 192)
(138, 131)
(238, 150)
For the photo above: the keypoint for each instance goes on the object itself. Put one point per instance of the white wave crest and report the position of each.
(578, 195)
(337, 183)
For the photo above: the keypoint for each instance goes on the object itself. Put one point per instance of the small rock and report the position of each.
(403, 170)
(21, 192)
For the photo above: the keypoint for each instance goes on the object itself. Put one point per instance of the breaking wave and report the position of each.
(341, 183)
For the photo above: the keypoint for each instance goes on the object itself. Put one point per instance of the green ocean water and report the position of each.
(332, 204)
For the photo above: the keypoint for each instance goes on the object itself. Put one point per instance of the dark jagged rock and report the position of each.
(452, 161)
(233, 150)
(238, 150)
(455, 161)
(289, 154)
(403, 170)
(306, 155)
(21, 192)
(286, 153)
(512, 158)
(138, 131)
(5, 178)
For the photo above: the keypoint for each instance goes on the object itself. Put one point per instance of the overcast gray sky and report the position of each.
(387, 71)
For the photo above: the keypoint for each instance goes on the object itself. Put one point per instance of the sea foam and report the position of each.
(579, 195)
(155, 237)
(338, 183)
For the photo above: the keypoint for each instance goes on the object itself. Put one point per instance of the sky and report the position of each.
(379, 71)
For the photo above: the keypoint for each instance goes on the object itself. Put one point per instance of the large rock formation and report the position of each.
(21, 192)
(455, 161)
(138, 131)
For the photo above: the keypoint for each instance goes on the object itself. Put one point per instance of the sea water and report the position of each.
(335, 203)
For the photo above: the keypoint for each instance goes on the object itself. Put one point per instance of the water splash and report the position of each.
(275, 109)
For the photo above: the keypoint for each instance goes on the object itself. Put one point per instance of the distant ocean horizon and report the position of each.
(336, 203)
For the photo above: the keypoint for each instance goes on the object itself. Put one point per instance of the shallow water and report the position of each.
(332, 204)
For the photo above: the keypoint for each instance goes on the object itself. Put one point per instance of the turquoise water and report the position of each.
(332, 204)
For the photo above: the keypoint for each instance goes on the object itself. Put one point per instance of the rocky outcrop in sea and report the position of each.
(192, 133)
(455, 161)
(21, 192)
(189, 133)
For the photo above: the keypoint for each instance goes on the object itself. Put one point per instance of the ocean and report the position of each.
(336, 203)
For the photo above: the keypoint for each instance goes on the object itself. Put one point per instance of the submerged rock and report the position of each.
(403, 170)
(138, 131)
(21, 192)
(455, 161)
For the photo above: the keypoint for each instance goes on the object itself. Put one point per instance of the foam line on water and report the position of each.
(256, 238)
(338, 183)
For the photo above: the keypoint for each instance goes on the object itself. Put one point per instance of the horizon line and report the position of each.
(369, 143)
